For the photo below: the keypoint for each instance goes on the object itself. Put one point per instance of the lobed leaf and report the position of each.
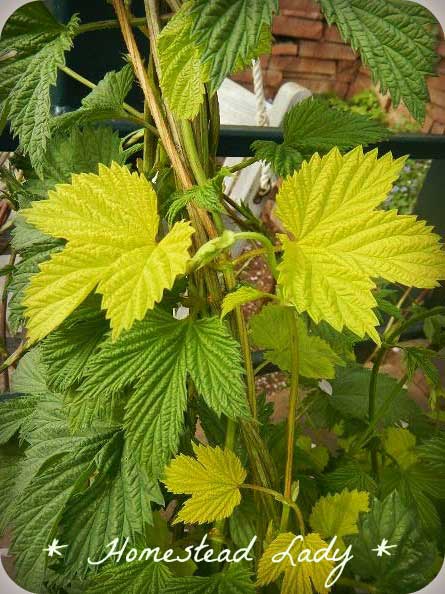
(302, 577)
(338, 242)
(411, 560)
(153, 361)
(314, 126)
(241, 296)
(213, 480)
(337, 515)
(37, 43)
(396, 40)
(234, 579)
(110, 248)
(271, 331)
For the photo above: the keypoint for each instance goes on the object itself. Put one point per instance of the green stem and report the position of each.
(243, 164)
(291, 420)
(379, 414)
(137, 116)
(108, 24)
(279, 497)
(401, 328)
(372, 404)
(192, 152)
(266, 243)
(245, 346)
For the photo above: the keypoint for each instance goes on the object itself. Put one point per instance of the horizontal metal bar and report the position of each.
(235, 141)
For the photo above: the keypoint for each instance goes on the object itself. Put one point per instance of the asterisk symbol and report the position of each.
(383, 547)
(54, 547)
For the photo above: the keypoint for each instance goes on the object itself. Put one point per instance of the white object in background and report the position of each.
(437, 7)
(7, 8)
(238, 107)
(7, 585)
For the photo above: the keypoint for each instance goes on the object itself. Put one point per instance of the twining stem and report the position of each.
(243, 164)
(379, 414)
(252, 254)
(279, 497)
(372, 405)
(108, 24)
(401, 328)
(201, 178)
(136, 116)
(150, 95)
(245, 346)
(192, 152)
(200, 218)
(291, 419)
(154, 29)
(391, 321)
(268, 247)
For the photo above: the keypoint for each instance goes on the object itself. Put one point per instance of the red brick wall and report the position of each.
(309, 51)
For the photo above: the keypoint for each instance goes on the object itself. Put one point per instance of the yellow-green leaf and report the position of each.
(401, 445)
(337, 515)
(240, 297)
(271, 331)
(110, 222)
(338, 241)
(182, 73)
(213, 480)
(302, 578)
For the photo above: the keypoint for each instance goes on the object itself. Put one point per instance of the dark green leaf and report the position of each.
(283, 158)
(234, 580)
(228, 32)
(396, 40)
(37, 44)
(350, 396)
(105, 102)
(66, 351)
(411, 563)
(131, 578)
(153, 360)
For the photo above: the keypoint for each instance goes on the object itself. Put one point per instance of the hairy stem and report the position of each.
(291, 420)
(200, 219)
(150, 95)
(135, 116)
(391, 322)
(379, 415)
(154, 29)
(243, 164)
(268, 247)
(401, 328)
(279, 497)
(192, 152)
(108, 24)
(245, 347)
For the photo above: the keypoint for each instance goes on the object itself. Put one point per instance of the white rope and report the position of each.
(262, 119)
